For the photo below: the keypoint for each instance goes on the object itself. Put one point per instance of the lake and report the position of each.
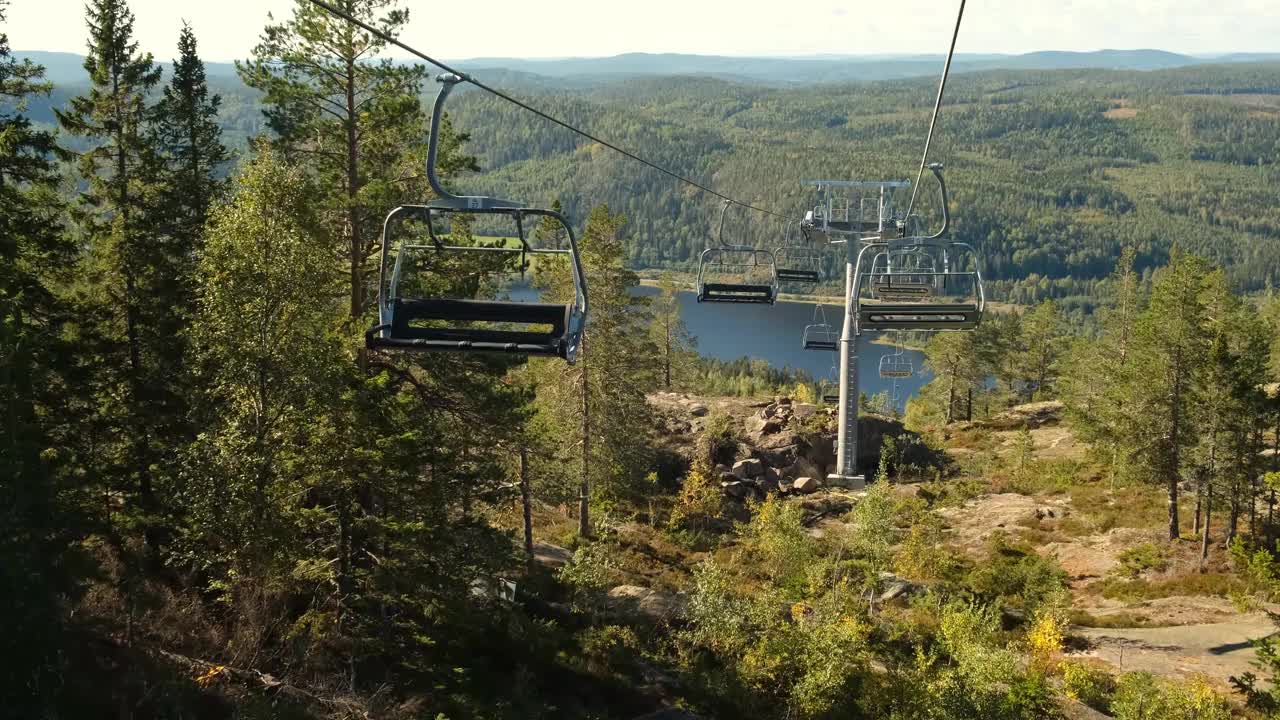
(728, 331)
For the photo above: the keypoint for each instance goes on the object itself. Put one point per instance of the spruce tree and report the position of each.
(1096, 371)
(117, 275)
(186, 133)
(36, 527)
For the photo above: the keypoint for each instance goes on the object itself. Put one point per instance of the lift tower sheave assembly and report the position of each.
(845, 222)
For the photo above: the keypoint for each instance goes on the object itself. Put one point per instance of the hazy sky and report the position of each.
(228, 29)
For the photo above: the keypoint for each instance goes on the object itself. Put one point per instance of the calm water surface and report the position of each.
(728, 331)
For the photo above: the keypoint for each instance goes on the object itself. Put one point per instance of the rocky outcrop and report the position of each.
(779, 442)
(1030, 415)
(655, 605)
(552, 556)
(805, 485)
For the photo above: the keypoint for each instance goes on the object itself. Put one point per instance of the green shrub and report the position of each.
(1017, 576)
(609, 649)
(1257, 566)
(1091, 685)
(698, 502)
(1222, 585)
(719, 439)
(1141, 696)
(1142, 558)
(779, 546)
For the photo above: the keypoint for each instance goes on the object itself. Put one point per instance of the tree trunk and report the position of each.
(666, 366)
(1204, 537)
(1233, 523)
(353, 189)
(1195, 525)
(584, 490)
(1253, 507)
(526, 506)
(1175, 438)
(951, 398)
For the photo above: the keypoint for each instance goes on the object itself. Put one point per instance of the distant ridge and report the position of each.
(67, 68)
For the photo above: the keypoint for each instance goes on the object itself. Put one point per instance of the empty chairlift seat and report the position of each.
(819, 335)
(896, 365)
(799, 262)
(919, 283)
(736, 273)
(469, 324)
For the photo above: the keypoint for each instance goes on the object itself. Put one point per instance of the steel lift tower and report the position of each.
(843, 224)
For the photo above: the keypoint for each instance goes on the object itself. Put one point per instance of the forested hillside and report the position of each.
(1051, 172)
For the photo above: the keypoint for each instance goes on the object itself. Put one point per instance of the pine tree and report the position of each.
(601, 400)
(118, 271)
(1097, 370)
(674, 342)
(1170, 347)
(352, 118)
(1039, 343)
(955, 362)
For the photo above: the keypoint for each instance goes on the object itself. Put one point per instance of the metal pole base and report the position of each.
(851, 482)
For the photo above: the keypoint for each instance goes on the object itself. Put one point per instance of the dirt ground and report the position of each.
(1200, 635)
(1217, 650)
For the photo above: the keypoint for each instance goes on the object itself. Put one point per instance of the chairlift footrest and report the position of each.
(918, 316)
(827, 345)
(736, 293)
(800, 276)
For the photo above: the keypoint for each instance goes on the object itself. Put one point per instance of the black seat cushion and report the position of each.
(406, 312)
(736, 293)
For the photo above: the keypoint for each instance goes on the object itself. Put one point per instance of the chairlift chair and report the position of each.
(468, 324)
(896, 365)
(819, 335)
(757, 269)
(835, 216)
(955, 297)
(798, 263)
(904, 274)
(831, 390)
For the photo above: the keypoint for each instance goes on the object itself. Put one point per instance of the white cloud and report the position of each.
(228, 29)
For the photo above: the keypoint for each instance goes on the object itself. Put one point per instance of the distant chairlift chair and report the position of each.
(757, 270)
(831, 389)
(450, 324)
(798, 262)
(819, 335)
(896, 365)
(943, 293)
